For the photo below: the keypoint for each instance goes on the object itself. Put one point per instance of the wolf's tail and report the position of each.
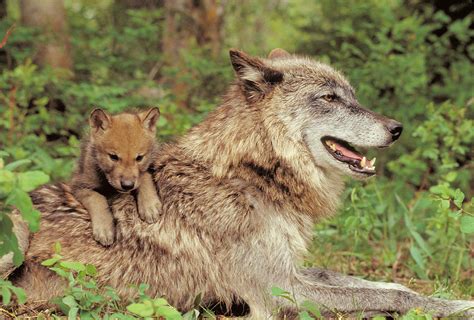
(20, 228)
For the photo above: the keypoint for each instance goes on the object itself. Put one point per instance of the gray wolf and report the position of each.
(240, 193)
(116, 157)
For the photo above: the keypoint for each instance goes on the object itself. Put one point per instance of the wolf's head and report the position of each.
(317, 107)
(123, 145)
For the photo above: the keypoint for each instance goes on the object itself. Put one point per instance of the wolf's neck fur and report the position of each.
(246, 142)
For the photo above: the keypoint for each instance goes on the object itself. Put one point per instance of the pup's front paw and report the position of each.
(104, 232)
(149, 208)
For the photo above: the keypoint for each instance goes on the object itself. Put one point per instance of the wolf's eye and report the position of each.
(329, 97)
(139, 158)
(113, 157)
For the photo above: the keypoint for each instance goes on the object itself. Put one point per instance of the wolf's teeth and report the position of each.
(373, 161)
(363, 162)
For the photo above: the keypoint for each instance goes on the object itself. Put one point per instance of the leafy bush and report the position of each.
(14, 188)
(84, 298)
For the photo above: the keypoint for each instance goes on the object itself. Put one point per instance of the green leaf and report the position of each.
(50, 262)
(7, 182)
(441, 189)
(91, 270)
(159, 302)
(451, 176)
(119, 316)
(22, 201)
(467, 224)
(169, 313)
(458, 198)
(69, 301)
(60, 272)
(57, 248)
(8, 240)
(71, 265)
(277, 292)
(28, 181)
(311, 307)
(141, 309)
(191, 315)
(444, 204)
(6, 295)
(197, 300)
(304, 315)
(72, 314)
(419, 240)
(15, 164)
(19, 293)
(416, 255)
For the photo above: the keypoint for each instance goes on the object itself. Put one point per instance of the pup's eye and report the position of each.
(139, 158)
(329, 97)
(113, 157)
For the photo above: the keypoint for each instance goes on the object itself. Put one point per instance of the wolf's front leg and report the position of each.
(149, 204)
(102, 220)
(363, 300)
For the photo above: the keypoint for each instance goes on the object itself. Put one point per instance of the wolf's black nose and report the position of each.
(395, 128)
(127, 184)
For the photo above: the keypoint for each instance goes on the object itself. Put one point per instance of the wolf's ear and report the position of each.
(278, 53)
(256, 78)
(149, 118)
(99, 120)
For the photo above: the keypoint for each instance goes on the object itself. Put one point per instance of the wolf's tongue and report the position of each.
(347, 153)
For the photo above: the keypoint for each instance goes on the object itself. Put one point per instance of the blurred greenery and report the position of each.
(411, 60)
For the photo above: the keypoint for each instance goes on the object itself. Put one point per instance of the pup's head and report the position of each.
(123, 145)
(317, 107)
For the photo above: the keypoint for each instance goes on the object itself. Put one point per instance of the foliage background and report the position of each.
(411, 60)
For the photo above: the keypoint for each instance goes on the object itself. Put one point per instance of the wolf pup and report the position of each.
(116, 157)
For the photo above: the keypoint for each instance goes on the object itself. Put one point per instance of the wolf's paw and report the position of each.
(149, 209)
(104, 232)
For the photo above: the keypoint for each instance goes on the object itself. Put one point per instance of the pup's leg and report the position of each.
(102, 220)
(333, 278)
(149, 204)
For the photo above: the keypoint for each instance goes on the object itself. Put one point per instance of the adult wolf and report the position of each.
(240, 193)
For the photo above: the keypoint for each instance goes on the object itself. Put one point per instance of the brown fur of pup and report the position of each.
(116, 158)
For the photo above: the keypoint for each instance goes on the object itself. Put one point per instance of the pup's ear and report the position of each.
(256, 78)
(99, 120)
(278, 53)
(149, 118)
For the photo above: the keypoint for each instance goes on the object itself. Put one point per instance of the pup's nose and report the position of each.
(395, 128)
(127, 184)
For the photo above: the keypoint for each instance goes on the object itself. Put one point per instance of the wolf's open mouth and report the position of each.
(344, 152)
